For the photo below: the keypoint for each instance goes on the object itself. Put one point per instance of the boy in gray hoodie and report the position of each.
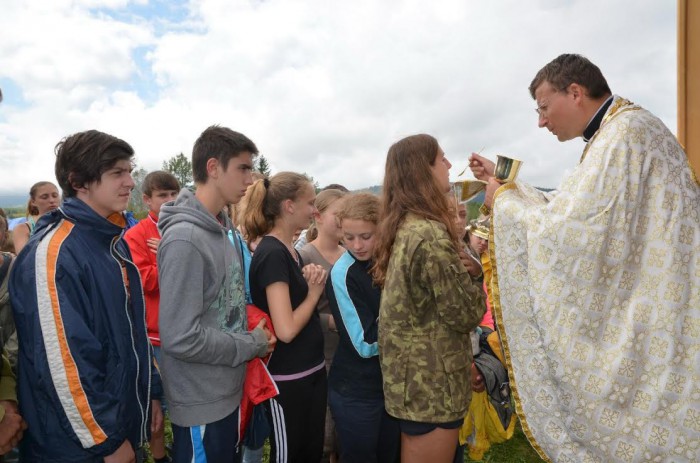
(205, 340)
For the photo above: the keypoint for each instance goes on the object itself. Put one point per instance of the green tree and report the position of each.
(181, 168)
(313, 181)
(262, 166)
(136, 204)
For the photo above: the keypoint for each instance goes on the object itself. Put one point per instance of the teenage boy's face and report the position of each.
(358, 237)
(235, 180)
(111, 193)
(158, 198)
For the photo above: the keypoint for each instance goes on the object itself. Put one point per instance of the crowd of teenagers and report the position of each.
(207, 308)
(336, 326)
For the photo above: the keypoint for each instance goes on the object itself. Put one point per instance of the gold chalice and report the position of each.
(466, 190)
(506, 169)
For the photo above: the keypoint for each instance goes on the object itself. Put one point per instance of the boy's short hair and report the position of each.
(159, 180)
(220, 143)
(83, 157)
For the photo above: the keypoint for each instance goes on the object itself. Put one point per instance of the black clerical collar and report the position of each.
(594, 124)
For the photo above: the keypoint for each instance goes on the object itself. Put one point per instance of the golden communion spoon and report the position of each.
(465, 169)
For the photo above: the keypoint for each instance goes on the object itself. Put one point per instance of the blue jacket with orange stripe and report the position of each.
(85, 365)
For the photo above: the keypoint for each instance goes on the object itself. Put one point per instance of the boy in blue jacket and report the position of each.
(87, 387)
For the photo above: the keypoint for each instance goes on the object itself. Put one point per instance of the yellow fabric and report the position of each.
(597, 299)
(486, 266)
(495, 342)
(482, 427)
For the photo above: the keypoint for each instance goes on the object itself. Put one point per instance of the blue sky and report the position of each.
(321, 87)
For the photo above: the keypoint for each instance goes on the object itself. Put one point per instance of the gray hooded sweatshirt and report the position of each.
(204, 336)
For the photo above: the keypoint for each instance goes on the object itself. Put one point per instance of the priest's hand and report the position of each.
(481, 167)
(491, 188)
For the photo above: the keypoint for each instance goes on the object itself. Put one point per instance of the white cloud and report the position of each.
(321, 87)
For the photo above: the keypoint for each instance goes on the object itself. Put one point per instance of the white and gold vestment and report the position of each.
(597, 298)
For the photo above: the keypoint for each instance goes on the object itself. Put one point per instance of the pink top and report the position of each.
(488, 318)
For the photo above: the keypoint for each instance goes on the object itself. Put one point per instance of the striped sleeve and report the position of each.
(350, 308)
(64, 369)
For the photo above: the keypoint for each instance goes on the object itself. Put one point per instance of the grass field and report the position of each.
(515, 450)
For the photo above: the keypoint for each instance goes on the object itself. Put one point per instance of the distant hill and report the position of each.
(13, 200)
(377, 189)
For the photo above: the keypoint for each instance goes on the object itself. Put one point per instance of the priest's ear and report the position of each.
(578, 92)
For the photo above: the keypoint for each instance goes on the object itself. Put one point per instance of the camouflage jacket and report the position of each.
(429, 306)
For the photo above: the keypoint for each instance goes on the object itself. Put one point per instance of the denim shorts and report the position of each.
(416, 428)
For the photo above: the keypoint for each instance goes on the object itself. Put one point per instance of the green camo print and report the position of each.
(429, 306)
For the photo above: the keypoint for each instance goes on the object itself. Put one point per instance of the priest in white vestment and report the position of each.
(597, 286)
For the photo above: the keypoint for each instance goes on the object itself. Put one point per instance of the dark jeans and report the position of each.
(366, 432)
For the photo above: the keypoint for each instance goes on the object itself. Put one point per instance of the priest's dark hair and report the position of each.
(568, 69)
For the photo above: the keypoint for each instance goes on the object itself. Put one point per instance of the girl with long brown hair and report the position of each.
(429, 303)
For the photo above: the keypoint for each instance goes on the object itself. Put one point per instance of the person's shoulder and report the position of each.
(61, 244)
(6, 261)
(271, 254)
(422, 228)
(645, 118)
(627, 112)
(311, 255)
(179, 231)
(137, 230)
(268, 245)
(343, 265)
(307, 252)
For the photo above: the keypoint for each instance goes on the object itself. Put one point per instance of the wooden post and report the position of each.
(689, 80)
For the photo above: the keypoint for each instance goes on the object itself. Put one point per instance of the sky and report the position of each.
(321, 87)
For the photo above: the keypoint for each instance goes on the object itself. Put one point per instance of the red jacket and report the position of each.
(145, 260)
(259, 385)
